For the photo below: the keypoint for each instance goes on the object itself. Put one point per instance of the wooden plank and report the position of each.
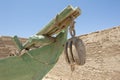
(60, 22)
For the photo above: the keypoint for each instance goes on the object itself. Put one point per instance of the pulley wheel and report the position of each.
(75, 52)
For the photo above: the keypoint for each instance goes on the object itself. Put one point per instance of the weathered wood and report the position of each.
(61, 21)
(37, 41)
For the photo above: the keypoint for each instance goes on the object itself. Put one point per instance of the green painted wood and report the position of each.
(62, 19)
(35, 65)
(56, 25)
(38, 40)
(18, 43)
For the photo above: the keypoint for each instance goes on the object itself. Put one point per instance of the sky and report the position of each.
(25, 18)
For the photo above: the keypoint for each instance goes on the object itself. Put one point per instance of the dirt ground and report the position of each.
(102, 57)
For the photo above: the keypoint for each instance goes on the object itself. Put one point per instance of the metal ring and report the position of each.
(72, 33)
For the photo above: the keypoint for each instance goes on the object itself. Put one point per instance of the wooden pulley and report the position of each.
(75, 51)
